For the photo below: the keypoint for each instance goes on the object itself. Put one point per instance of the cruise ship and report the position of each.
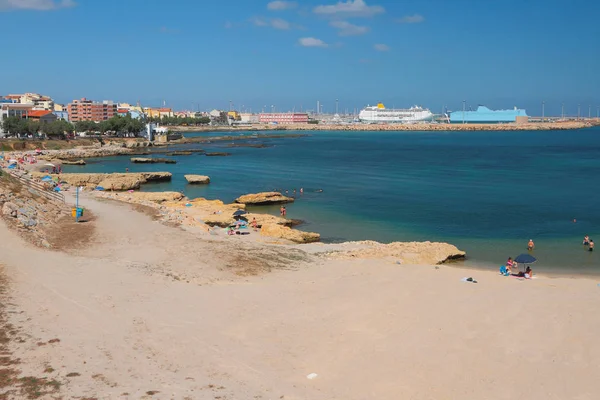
(379, 113)
(484, 115)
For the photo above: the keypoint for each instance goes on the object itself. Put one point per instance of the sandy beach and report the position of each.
(143, 310)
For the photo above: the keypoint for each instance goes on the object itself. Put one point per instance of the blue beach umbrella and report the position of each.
(525, 259)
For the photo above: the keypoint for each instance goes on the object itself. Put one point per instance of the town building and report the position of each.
(248, 118)
(40, 102)
(13, 110)
(161, 112)
(283, 118)
(64, 115)
(42, 115)
(88, 110)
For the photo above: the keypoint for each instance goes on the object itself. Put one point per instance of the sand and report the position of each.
(155, 309)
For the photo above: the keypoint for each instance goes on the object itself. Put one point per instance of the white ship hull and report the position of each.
(381, 114)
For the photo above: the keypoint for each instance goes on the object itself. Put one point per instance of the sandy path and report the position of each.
(370, 330)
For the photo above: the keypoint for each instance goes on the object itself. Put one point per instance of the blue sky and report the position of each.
(290, 54)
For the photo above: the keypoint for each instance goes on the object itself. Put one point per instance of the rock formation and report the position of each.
(143, 160)
(155, 197)
(409, 253)
(116, 181)
(71, 162)
(217, 154)
(264, 198)
(284, 232)
(197, 179)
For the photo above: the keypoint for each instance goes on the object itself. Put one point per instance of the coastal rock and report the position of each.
(142, 160)
(265, 219)
(10, 209)
(154, 197)
(408, 253)
(116, 181)
(71, 162)
(264, 198)
(217, 154)
(221, 220)
(120, 182)
(284, 232)
(197, 179)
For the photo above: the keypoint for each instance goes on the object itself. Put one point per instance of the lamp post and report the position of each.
(464, 102)
(543, 110)
(336, 106)
(590, 112)
(578, 111)
(229, 105)
(563, 111)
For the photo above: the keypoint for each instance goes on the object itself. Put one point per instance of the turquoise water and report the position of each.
(486, 192)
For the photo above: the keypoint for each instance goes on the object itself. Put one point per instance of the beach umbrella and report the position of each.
(525, 259)
(12, 161)
(46, 179)
(50, 165)
(239, 213)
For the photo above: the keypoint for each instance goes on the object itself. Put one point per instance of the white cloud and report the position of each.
(381, 47)
(311, 42)
(348, 29)
(279, 5)
(411, 19)
(279, 23)
(36, 5)
(276, 23)
(350, 8)
(258, 21)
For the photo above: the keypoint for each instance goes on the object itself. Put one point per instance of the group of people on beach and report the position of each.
(588, 243)
(510, 264)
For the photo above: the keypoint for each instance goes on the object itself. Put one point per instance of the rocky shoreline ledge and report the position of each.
(207, 215)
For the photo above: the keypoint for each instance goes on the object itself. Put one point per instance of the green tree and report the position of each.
(14, 126)
(86, 126)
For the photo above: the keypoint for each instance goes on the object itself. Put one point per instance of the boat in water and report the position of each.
(484, 115)
(379, 113)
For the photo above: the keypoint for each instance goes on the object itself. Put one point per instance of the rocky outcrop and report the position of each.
(197, 179)
(284, 232)
(217, 154)
(409, 253)
(264, 219)
(142, 160)
(264, 198)
(116, 181)
(33, 216)
(71, 162)
(155, 197)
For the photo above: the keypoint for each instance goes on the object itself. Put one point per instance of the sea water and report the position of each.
(487, 192)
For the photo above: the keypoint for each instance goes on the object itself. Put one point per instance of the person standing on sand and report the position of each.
(530, 245)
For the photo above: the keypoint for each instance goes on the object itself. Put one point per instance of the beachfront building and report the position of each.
(160, 112)
(283, 118)
(40, 102)
(42, 116)
(248, 118)
(63, 114)
(13, 110)
(88, 110)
